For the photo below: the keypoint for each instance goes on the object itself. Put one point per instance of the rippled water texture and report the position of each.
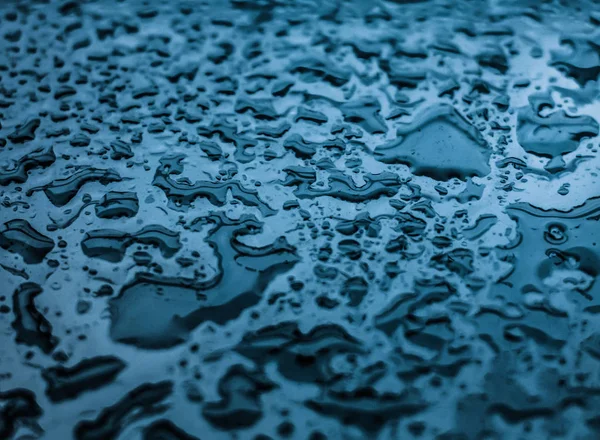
(300, 220)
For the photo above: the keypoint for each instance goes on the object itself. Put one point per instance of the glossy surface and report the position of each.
(299, 220)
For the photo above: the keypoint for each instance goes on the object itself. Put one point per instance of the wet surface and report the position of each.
(299, 220)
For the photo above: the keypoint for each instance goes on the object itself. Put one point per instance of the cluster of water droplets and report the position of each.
(299, 220)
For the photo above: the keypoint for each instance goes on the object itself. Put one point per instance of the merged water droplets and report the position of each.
(303, 220)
